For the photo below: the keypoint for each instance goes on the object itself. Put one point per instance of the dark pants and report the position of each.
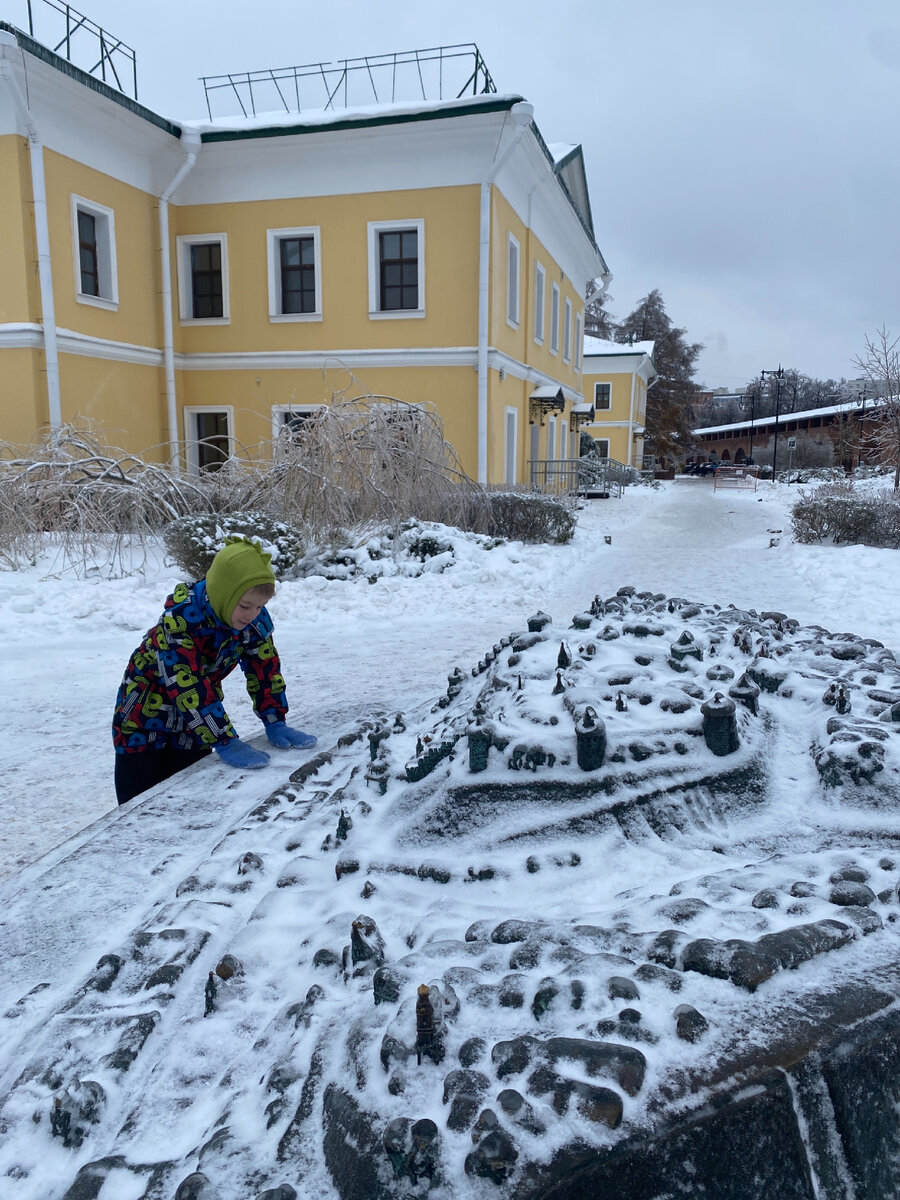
(136, 773)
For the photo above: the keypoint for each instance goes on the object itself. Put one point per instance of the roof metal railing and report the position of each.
(437, 73)
(115, 56)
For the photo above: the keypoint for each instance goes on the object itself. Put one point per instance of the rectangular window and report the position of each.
(208, 438)
(511, 447)
(206, 280)
(396, 268)
(293, 422)
(298, 275)
(94, 245)
(87, 254)
(602, 447)
(203, 278)
(567, 332)
(564, 439)
(578, 342)
(540, 288)
(512, 281)
(295, 285)
(551, 437)
(602, 397)
(398, 254)
(554, 319)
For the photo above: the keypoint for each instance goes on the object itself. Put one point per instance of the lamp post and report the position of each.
(752, 417)
(861, 404)
(779, 375)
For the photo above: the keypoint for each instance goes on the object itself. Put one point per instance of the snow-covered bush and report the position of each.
(528, 517)
(841, 514)
(812, 475)
(411, 548)
(192, 542)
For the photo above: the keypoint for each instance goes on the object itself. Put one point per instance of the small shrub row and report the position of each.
(412, 548)
(529, 517)
(837, 512)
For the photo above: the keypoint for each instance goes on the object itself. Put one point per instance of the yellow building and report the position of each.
(616, 380)
(192, 288)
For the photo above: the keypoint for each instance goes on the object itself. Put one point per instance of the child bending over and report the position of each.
(169, 711)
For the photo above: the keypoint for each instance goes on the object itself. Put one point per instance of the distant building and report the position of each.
(616, 380)
(736, 441)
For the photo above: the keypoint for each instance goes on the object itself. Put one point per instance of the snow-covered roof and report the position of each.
(561, 150)
(363, 112)
(597, 347)
(784, 417)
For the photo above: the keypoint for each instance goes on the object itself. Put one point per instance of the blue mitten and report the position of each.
(238, 754)
(284, 737)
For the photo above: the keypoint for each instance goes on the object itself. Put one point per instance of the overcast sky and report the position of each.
(741, 157)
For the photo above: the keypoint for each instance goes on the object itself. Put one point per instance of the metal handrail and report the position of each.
(114, 53)
(376, 77)
(580, 476)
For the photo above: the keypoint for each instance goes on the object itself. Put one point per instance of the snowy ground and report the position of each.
(349, 647)
(80, 878)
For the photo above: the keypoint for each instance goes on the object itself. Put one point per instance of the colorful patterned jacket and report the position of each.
(171, 694)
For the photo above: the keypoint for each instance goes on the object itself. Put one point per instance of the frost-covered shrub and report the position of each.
(193, 542)
(428, 546)
(528, 517)
(412, 548)
(813, 475)
(838, 512)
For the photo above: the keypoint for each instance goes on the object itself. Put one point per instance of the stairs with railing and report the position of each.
(594, 478)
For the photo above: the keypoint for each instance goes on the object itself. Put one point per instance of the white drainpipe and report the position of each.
(521, 115)
(191, 141)
(9, 50)
(631, 421)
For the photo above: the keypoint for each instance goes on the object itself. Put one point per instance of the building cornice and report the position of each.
(499, 361)
(29, 336)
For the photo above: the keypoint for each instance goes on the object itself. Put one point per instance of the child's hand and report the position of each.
(238, 754)
(284, 737)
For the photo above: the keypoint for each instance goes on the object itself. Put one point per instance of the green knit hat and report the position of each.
(241, 565)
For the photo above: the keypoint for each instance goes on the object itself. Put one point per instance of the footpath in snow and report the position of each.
(351, 647)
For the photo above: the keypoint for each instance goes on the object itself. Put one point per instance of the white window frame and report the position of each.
(602, 407)
(579, 342)
(185, 291)
(394, 314)
(191, 440)
(107, 271)
(601, 442)
(554, 318)
(513, 274)
(567, 332)
(279, 411)
(273, 239)
(510, 451)
(563, 439)
(540, 302)
(551, 438)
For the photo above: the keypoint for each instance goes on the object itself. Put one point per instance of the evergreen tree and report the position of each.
(670, 398)
(598, 322)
